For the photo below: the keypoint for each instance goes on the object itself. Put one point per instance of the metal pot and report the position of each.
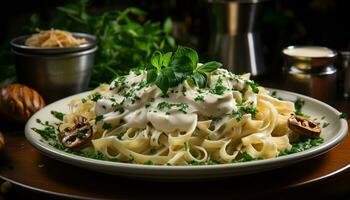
(55, 72)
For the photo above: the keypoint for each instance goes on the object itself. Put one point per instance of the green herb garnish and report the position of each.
(250, 109)
(80, 134)
(47, 133)
(186, 146)
(237, 115)
(57, 115)
(342, 115)
(98, 118)
(254, 86)
(302, 145)
(96, 96)
(106, 126)
(298, 105)
(170, 69)
(199, 98)
(120, 135)
(325, 124)
(149, 163)
(219, 88)
(181, 106)
(153, 151)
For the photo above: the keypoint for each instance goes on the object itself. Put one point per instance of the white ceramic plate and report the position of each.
(332, 135)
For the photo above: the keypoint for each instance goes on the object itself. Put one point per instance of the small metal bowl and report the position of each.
(55, 72)
(308, 63)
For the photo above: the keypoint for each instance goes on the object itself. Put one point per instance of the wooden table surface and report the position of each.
(37, 176)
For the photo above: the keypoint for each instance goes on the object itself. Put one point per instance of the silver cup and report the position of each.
(55, 72)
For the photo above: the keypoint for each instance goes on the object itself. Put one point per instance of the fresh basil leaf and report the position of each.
(182, 65)
(209, 66)
(167, 58)
(168, 25)
(156, 59)
(191, 82)
(172, 78)
(163, 83)
(187, 52)
(200, 79)
(151, 75)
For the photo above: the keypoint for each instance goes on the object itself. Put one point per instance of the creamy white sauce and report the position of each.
(138, 103)
(313, 52)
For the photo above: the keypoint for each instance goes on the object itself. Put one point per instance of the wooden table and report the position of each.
(37, 176)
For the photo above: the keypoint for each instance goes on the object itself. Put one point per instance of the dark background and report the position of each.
(283, 23)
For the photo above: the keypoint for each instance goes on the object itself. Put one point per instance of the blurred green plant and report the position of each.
(125, 39)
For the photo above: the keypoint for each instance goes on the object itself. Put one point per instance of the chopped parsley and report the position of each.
(106, 126)
(298, 105)
(247, 157)
(254, 86)
(141, 85)
(219, 88)
(237, 115)
(119, 110)
(47, 133)
(98, 118)
(57, 115)
(149, 163)
(96, 96)
(249, 110)
(120, 135)
(199, 98)
(274, 94)
(302, 145)
(153, 151)
(342, 115)
(80, 134)
(186, 146)
(325, 124)
(83, 100)
(119, 81)
(181, 106)
(183, 90)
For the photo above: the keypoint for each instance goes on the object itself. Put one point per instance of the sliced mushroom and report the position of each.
(304, 126)
(79, 135)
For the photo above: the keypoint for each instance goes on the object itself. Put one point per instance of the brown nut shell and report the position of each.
(19, 102)
(304, 126)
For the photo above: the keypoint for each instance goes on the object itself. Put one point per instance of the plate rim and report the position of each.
(283, 160)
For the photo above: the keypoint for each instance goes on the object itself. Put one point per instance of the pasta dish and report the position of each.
(135, 120)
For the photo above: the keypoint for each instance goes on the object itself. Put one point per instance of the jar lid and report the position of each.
(17, 44)
(309, 58)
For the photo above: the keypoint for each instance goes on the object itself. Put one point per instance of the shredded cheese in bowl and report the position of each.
(54, 38)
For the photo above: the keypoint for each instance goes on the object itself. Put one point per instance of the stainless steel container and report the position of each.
(345, 68)
(235, 35)
(310, 70)
(55, 72)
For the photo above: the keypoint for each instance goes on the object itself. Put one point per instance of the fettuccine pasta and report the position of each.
(133, 121)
